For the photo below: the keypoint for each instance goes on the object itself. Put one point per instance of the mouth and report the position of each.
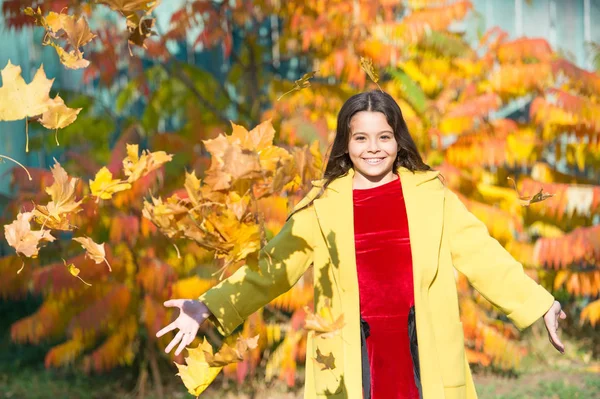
(373, 161)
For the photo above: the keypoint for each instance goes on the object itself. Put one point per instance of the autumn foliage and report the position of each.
(207, 193)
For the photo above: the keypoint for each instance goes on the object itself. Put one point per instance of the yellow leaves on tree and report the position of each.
(24, 240)
(93, 251)
(19, 100)
(62, 26)
(202, 366)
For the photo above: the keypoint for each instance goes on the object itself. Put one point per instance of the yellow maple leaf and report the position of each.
(62, 192)
(72, 59)
(227, 354)
(230, 162)
(75, 29)
(19, 100)
(136, 166)
(323, 323)
(256, 139)
(59, 116)
(24, 240)
(93, 251)
(104, 186)
(197, 374)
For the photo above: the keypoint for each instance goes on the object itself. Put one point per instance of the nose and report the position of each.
(373, 146)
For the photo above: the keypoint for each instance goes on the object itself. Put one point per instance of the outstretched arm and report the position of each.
(280, 264)
(495, 273)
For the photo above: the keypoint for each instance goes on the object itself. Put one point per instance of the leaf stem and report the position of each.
(18, 163)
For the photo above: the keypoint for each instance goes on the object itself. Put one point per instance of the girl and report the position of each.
(384, 235)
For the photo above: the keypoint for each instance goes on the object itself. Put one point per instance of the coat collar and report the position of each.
(424, 207)
(408, 178)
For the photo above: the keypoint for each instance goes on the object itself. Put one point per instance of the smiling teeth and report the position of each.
(373, 161)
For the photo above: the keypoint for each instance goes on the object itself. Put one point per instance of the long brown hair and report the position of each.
(339, 162)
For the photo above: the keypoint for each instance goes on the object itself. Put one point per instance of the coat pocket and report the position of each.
(452, 356)
(327, 356)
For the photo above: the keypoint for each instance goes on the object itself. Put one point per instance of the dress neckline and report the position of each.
(385, 187)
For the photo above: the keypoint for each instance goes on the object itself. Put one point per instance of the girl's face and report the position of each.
(372, 148)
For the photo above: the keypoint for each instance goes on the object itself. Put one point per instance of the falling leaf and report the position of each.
(75, 29)
(367, 65)
(197, 374)
(72, 59)
(24, 240)
(136, 166)
(300, 84)
(62, 192)
(136, 12)
(229, 163)
(59, 115)
(326, 362)
(104, 186)
(74, 271)
(323, 323)
(138, 33)
(94, 251)
(257, 139)
(227, 355)
(19, 100)
(526, 200)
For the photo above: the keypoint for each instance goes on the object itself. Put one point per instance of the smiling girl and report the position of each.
(384, 236)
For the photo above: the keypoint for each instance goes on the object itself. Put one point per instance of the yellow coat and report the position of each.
(444, 236)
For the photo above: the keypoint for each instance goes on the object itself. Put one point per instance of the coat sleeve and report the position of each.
(280, 264)
(490, 268)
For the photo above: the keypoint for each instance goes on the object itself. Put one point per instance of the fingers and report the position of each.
(174, 341)
(165, 330)
(187, 339)
(556, 342)
(172, 303)
(563, 315)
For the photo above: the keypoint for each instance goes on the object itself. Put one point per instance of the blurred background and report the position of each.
(490, 89)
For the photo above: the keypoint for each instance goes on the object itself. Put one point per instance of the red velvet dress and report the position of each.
(384, 265)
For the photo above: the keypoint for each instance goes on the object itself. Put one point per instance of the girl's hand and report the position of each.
(551, 320)
(192, 314)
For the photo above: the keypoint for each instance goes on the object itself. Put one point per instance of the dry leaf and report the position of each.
(104, 186)
(367, 65)
(300, 84)
(94, 251)
(135, 166)
(19, 100)
(74, 271)
(62, 192)
(59, 115)
(75, 30)
(526, 200)
(323, 323)
(24, 240)
(227, 355)
(196, 374)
